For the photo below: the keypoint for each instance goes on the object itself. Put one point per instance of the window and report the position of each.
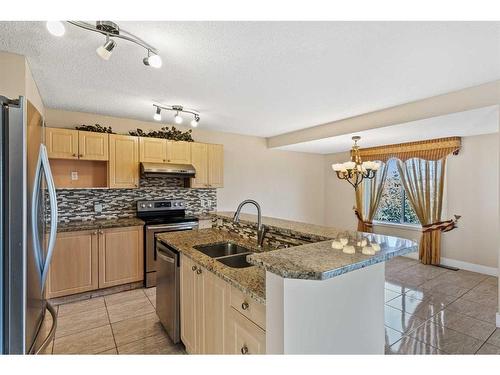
(394, 205)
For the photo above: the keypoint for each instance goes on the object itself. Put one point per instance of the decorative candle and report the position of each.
(376, 246)
(368, 250)
(337, 245)
(349, 249)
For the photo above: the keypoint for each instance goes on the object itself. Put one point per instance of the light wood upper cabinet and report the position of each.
(61, 143)
(215, 166)
(199, 153)
(121, 256)
(179, 152)
(123, 170)
(93, 146)
(74, 264)
(152, 150)
(208, 160)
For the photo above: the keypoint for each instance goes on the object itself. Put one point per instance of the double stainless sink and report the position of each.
(228, 253)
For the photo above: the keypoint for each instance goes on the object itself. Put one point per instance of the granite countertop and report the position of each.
(250, 280)
(80, 225)
(341, 253)
(327, 259)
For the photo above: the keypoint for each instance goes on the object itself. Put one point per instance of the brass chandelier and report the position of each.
(356, 170)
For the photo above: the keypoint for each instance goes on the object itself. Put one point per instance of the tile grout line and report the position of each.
(110, 326)
(492, 333)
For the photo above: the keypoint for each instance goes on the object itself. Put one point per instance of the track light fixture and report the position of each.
(112, 31)
(157, 115)
(177, 117)
(105, 51)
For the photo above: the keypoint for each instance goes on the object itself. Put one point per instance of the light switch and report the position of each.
(74, 175)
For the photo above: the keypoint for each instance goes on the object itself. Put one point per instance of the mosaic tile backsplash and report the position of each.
(273, 238)
(78, 204)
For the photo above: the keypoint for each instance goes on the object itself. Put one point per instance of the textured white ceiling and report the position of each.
(259, 78)
(462, 124)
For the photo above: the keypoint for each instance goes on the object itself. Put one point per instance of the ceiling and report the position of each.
(259, 78)
(462, 124)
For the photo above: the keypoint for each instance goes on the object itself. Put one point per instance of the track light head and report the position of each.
(178, 118)
(153, 60)
(56, 28)
(105, 51)
(157, 115)
(195, 121)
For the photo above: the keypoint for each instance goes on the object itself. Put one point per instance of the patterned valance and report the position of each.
(432, 149)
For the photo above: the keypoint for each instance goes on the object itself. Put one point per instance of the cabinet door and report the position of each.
(216, 305)
(93, 146)
(189, 327)
(152, 150)
(61, 143)
(121, 256)
(123, 161)
(199, 153)
(215, 166)
(74, 266)
(243, 336)
(179, 152)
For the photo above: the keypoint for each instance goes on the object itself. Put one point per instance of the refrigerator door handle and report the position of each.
(43, 165)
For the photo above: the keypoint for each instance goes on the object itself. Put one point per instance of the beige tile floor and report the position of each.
(428, 310)
(122, 323)
(431, 310)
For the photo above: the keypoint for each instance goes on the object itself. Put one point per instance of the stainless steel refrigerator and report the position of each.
(28, 229)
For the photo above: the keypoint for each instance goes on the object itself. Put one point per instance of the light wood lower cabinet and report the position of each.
(73, 268)
(121, 256)
(209, 325)
(244, 336)
(89, 260)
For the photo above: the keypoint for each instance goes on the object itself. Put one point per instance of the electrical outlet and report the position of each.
(74, 175)
(98, 207)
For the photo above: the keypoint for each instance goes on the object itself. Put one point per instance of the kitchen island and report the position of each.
(324, 295)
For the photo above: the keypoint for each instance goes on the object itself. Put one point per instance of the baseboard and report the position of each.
(498, 319)
(492, 271)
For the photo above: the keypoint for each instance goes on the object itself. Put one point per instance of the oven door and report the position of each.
(150, 247)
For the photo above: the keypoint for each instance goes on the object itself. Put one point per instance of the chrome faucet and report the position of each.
(261, 229)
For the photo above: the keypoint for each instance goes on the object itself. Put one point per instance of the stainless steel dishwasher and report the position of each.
(167, 290)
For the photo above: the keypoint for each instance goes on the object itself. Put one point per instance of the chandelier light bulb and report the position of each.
(194, 122)
(177, 118)
(154, 61)
(105, 51)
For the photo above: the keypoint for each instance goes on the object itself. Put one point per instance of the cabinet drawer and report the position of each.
(244, 336)
(250, 308)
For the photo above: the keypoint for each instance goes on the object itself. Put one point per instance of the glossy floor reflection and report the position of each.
(121, 323)
(431, 310)
(428, 310)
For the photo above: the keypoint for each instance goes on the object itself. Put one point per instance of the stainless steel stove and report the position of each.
(161, 216)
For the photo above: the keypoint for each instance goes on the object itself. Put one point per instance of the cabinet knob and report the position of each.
(74, 155)
(245, 305)
(80, 155)
(244, 349)
(194, 268)
(94, 232)
(101, 232)
(198, 271)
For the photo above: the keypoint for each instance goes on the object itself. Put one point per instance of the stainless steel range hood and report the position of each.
(167, 170)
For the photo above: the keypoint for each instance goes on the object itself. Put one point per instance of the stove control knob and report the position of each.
(175, 204)
(150, 205)
(143, 205)
(180, 203)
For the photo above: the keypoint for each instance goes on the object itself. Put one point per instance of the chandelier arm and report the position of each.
(130, 37)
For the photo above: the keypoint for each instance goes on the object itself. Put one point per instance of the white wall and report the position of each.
(288, 185)
(471, 191)
(16, 80)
